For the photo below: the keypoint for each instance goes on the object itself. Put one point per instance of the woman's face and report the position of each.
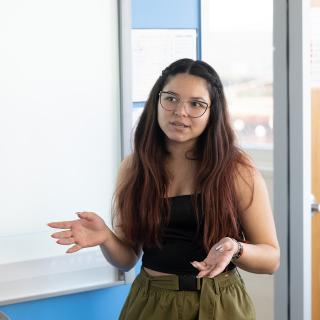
(177, 124)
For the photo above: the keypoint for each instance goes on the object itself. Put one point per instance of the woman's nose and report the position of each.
(181, 108)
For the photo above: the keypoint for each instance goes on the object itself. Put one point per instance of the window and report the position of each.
(237, 42)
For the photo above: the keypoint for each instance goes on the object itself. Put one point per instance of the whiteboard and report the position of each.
(60, 134)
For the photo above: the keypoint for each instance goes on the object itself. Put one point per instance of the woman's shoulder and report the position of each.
(125, 167)
(249, 182)
(245, 169)
(127, 161)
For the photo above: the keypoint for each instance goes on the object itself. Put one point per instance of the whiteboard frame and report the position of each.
(126, 90)
(125, 75)
(43, 278)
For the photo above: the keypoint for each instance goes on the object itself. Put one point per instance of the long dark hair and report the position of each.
(140, 200)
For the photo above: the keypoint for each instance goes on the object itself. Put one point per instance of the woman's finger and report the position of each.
(66, 241)
(62, 234)
(74, 249)
(86, 215)
(200, 265)
(204, 273)
(61, 224)
(217, 270)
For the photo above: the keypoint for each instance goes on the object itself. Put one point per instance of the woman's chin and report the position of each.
(180, 140)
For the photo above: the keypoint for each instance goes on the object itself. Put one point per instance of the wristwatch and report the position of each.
(239, 252)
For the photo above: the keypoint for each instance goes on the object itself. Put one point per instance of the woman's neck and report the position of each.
(181, 160)
(180, 151)
(181, 172)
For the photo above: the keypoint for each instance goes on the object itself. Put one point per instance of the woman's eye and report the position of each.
(197, 104)
(171, 98)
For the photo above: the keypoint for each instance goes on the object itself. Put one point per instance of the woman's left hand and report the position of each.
(217, 259)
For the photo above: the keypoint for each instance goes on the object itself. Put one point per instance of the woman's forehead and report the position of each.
(187, 85)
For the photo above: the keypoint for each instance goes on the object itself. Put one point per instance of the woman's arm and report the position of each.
(118, 253)
(261, 253)
(114, 248)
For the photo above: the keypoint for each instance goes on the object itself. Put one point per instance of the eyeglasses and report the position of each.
(170, 101)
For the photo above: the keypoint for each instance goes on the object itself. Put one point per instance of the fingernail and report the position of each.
(219, 247)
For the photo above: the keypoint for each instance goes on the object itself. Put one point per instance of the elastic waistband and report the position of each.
(189, 282)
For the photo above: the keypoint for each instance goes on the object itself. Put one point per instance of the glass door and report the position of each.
(292, 160)
(315, 153)
(264, 48)
(315, 189)
(236, 39)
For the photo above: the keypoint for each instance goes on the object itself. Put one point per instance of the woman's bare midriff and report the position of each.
(155, 273)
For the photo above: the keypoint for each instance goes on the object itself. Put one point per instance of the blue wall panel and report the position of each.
(104, 304)
(165, 14)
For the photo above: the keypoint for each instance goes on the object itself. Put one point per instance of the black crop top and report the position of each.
(180, 243)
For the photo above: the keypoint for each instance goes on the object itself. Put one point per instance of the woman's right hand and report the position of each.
(88, 231)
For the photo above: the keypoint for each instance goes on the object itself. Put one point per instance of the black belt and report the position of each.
(189, 282)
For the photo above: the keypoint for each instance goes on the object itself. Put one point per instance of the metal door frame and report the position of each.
(292, 159)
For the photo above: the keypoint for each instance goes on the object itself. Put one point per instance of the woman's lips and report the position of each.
(179, 124)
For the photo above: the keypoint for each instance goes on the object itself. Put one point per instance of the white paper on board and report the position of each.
(153, 50)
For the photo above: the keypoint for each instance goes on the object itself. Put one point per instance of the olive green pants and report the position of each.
(222, 298)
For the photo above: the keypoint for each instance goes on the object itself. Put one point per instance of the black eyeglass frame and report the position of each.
(205, 103)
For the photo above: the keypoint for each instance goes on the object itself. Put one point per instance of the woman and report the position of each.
(191, 201)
